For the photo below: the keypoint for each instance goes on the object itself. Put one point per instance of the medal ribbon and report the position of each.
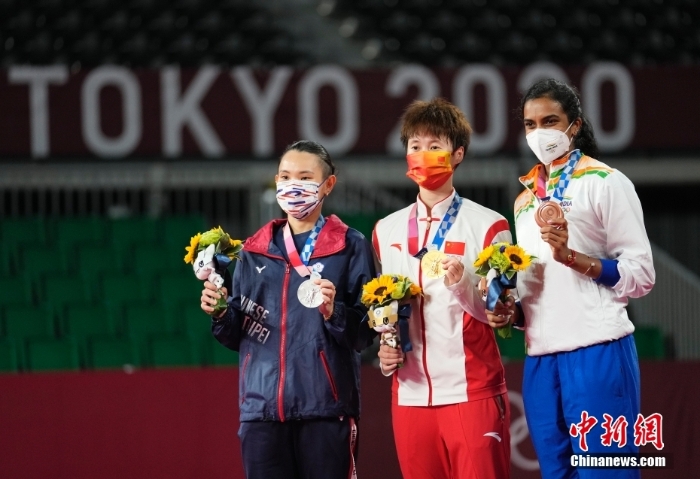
(565, 176)
(300, 262)
(445, 225)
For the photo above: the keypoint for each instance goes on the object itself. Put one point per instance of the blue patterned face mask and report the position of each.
(298, 198)
(548, 144)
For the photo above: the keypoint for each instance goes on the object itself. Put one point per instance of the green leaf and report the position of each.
(510, 273)
(506, 332)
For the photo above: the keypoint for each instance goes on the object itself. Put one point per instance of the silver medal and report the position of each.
(309, 293)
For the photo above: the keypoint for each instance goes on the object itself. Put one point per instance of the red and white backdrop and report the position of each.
(115, 112)
(181, 424)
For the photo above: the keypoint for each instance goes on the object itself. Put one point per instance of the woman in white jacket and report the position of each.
(583, 221)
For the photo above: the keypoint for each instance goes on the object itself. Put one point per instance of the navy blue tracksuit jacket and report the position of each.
(294, 364)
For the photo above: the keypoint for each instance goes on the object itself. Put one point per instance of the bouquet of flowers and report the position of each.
(499, 265)
(210, 254)
(386, 297)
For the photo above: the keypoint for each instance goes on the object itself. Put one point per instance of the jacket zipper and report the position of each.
(422, 320)
(283, 340)
(245, 365)
(328, 373)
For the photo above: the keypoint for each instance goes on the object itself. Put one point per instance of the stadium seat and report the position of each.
(513, 348)
(650, 342)
(84, 322)
(22, 323)
(219, 355)
(71, 232)
(141, 323)
(8, 357)
(111, 353)
(46, 354)
(183, 289)
(18, 231)
(171, 351)
(94, 261)
(15, 291)
(177, 231)
(60, 291)
(152, 260)
(37, 263)
(127, 232)
(196, 324)
(118, 290)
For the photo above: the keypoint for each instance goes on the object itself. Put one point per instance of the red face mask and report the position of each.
(429, 169)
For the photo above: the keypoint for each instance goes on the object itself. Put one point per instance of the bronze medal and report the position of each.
(431, 263)
(549, 210)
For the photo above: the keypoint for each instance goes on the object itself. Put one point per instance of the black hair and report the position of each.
(567, 96)
(308, 146)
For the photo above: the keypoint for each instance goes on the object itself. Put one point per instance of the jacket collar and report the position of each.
(330, 240)
(438, 210)
(529, 181)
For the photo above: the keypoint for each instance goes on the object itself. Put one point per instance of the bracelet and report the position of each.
(571, 259)
(589, 268)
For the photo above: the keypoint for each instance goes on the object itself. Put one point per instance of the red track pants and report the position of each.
(469, 440)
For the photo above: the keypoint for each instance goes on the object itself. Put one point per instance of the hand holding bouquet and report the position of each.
(387, 299)
(210, 254)
(499, 265)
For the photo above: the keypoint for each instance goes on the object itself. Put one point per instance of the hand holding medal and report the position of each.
(556, 235)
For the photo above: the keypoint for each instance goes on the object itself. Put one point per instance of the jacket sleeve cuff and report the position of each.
(609, 275)
(389, 374)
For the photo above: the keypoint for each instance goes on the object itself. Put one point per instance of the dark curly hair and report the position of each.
(568, 97)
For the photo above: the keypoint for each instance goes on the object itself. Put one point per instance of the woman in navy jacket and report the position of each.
(294, 316)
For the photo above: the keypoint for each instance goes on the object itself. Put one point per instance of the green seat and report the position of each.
(111, 353)
(71, 232)
(120, 289)
(196, 324)
(219, 355)
(8, 357)
(60, 291)
(22, 323)
(15, 292)
(18, 231)
(513, 348)
(650, 342)
(171, 351)
(151, 260)
(83, 322)
(182, 289)
(126, 232)
(40, 262)
(143, 322)
(95, 261)
(45, 354)
(178, 230)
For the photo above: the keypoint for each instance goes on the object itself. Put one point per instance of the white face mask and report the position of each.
(548, 144)
(298, 198)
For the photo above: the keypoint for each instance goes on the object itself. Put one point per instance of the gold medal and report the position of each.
(431, 263)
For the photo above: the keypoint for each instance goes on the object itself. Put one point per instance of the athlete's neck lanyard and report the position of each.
(300, 262)
(445, 225)
(564, 178)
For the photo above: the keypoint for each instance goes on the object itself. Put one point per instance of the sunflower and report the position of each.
(192, 248)
(518, 258)
(378, 290)
(484, 256)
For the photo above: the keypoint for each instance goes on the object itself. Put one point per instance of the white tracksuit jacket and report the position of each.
(455, 357)
(565, 310)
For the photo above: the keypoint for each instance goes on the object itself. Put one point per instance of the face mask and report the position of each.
(548, 144)
(429, 169)
(297, 197)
